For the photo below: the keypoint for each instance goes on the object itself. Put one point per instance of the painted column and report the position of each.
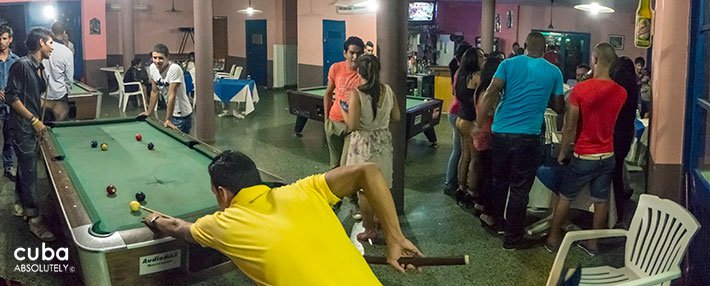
(669, 77)
(127, 35)
(488, 12)
(392, 50)
(204, 57)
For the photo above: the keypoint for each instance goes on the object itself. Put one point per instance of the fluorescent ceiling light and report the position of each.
(594, 8)
(50, 12)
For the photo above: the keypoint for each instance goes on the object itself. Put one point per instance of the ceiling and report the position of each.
(618, 5)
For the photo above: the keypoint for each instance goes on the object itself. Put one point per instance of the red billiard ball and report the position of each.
(139, 137)
(111, 189)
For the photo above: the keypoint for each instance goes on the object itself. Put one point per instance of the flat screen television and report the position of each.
(422, 12)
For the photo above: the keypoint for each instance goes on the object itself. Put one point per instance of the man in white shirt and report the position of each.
(60, 70)
(167, 79)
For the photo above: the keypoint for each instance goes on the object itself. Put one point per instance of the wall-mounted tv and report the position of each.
(422, 12)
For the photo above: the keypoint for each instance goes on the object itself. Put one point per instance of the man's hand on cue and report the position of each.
(401, 248)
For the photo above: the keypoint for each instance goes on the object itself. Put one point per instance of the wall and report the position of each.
(311, 14)
(460, 17)
(572, 20)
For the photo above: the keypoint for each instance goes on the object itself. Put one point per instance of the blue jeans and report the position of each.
(451, 168)
(183, 124)
(8, 153)
(26, 183)
(580, 172)
(516, 158)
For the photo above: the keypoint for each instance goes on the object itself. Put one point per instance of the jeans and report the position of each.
(183, 124)
(26, 149)
(452, 167)
(8, 153)
(516, 158)
(580, 172)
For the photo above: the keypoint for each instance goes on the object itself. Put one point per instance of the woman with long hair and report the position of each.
(623, 72)
(372, 106)
(483, 144)
(467, 80)
(451, 183)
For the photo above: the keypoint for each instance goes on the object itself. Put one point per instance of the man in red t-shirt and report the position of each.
(342, 78)
(591, 114)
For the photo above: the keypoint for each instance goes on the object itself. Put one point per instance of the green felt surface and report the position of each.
(76, 89)
(173, 177)
(411, 100)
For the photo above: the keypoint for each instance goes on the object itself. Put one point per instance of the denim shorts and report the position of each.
(183, 124)
(596, 173)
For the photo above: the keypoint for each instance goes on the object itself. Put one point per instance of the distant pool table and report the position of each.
(113, 246)
(422, 113)
(86, 100)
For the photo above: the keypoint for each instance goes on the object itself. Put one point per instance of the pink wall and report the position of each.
(460, 17)
(571, 20)
(237, 26)
(670, 66)
(311, 14)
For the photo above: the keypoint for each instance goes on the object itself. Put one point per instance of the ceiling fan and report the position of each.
(172, 10)
(250, 11)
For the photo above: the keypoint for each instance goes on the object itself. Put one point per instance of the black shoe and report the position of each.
(463, 198)
(11, 173)
(521, 244)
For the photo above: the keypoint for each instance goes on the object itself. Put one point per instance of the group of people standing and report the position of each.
(498, 118)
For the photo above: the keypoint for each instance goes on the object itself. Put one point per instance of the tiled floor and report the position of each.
(432, 219)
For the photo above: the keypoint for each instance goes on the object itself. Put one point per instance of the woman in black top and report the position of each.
(467, 80)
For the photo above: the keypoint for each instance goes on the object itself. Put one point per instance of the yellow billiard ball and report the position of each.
(135, 206)
(104, 146)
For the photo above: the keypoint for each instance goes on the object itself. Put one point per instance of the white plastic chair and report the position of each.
(123, 95)
(225, 74)
(656, 242)
(551, 134)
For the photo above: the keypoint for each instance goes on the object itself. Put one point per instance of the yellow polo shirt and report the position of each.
(286, 236)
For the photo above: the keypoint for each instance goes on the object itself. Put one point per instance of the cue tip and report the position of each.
(466, 259)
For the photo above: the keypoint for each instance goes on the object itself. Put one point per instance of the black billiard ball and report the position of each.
(94, 144)
(151, 146)
(111, 189)
(140, 196)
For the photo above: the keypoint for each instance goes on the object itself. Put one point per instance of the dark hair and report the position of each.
(369, 44)
(352, 40)
(519, 51)
(489, 69)
(461, 50)
(233, 170)
(368, 66)
(469, 66)
(136, 61)
(34, 36)
(6, 29)
(623, 72)
(640, 60)
(58, 28)
(191, 54)
(163, 49)
(583, 66)
(497, 54)
(516, 44)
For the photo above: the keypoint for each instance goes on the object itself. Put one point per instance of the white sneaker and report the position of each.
(40, 230)
(18, 210)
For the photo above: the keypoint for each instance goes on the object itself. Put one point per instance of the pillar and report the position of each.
(204, 58)
(127, 33)
(488, 14)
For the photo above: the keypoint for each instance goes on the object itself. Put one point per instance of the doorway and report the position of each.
(573, 48)
(333, 38)
(256, 50)
(220, 36)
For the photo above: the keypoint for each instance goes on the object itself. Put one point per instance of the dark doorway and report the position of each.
(333, 38)
(220, 37)
(256, 50)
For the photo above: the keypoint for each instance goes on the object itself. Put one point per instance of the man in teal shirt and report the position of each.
(531, 84)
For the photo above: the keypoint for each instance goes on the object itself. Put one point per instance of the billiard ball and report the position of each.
(140, 196)
(135, 206)
(104, 146)
(111, 189)
(94, 144)
(139, 137)
(151, 146)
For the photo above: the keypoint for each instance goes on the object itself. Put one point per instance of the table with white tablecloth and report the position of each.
(229, 90)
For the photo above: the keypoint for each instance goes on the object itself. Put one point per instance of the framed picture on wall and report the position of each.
(617, 41)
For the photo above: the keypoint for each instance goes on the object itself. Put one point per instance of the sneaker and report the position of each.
(18, 210)
(584, 246)
(11, 173)
(40, 230)
(521, 244)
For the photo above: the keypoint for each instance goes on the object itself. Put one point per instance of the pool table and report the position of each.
(422, 113)
(112, 244)
(86, 101)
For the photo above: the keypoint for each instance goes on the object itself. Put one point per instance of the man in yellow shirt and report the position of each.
(289, 235)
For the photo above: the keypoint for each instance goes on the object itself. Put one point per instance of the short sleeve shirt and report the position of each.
(529, 83)
(346, 80)
(286, 236)
(599, 102)
(173, 74)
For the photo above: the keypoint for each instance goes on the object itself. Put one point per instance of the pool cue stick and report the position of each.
(155, 212)
(421, 261)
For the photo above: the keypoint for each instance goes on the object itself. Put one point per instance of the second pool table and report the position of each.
(422, 113)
